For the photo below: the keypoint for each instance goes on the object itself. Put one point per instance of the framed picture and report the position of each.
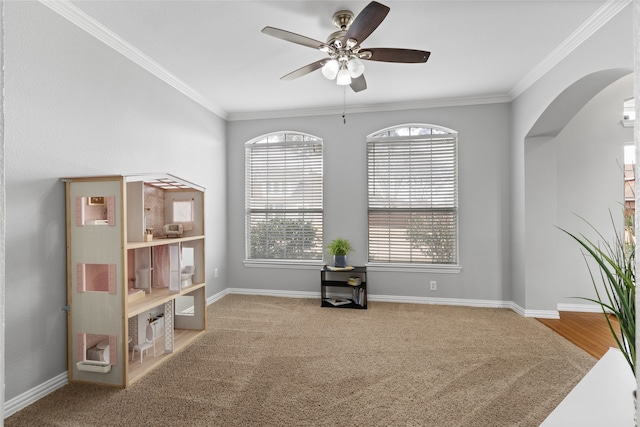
(95, 200)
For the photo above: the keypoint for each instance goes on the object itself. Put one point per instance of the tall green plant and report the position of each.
(616, 264)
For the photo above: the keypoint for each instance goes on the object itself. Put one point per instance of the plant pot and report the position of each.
(340, 260)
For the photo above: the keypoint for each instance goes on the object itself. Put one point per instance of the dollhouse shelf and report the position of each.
(156, 298)
(162, 241)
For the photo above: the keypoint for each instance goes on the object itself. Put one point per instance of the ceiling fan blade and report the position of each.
(292, 37)
(359, 83)
(305, 70)
(367, 21)
(384, 54)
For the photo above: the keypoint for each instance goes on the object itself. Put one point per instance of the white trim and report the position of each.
(582, 33)
(627, 123)
(31, 396)
(542, 314)
(414, 268)
(440, 301)
(312, 112)
(78, 17)
(274, 293)
(284, 264)
(583, 308)
(216, 297)
(407, 300)
(515, 307)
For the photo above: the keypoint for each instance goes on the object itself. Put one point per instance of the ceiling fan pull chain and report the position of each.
(344, 104)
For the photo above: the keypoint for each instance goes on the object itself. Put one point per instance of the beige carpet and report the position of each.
(269, 361)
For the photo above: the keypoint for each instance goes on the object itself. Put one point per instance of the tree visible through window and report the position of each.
(413, 195)
(283, 197)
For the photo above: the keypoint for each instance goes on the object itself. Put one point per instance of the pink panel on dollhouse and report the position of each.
(96, 277)
(111, 210)
(81, 347)
(113, 355)
(112, 278)
(79, 210)
(80, 277)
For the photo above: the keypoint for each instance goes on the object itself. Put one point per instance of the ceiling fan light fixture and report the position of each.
(325, 48)
(344, 54)
(344, 77)
(330, 69)
(356, 67)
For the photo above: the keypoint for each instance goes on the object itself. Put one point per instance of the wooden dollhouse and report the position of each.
(133, 288)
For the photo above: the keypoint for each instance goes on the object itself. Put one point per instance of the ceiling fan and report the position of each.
(344, 50)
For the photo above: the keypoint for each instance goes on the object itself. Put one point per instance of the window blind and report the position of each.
(413, 197)
(283, 190)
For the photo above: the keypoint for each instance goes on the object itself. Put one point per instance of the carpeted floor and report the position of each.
(269, 361)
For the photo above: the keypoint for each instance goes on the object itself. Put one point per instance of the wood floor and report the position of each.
(588, 331)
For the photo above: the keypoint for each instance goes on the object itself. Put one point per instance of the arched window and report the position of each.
(413, 195)
(283, 197)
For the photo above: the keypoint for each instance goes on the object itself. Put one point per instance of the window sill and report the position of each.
(284, 264)
(414, 268)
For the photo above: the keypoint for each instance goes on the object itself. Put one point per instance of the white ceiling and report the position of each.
(214, 50)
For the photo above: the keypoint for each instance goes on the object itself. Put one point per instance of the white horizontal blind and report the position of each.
(283, 197)
(413, 195)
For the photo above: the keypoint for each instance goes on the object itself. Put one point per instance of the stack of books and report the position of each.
(334, 268)
(354, 281)
(338, 301)
(359, 296)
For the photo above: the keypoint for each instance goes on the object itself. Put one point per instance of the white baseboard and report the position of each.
(583, 308)
(545, 314)
(31, 396)
(274, 293)
(542, 314)
(440, 301)
(216, 297)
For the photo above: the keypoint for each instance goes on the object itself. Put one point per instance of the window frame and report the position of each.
(282, 262)
(396, 266)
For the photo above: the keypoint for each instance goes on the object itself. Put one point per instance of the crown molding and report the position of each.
(596, 21)
(78, 17)
(313, 112)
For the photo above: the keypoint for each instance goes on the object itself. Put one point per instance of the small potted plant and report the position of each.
(339, 248)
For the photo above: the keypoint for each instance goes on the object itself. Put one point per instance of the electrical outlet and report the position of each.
(215, 273)
(432, 285)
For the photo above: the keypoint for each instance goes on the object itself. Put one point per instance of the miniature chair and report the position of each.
(173, 230)
(150, 342)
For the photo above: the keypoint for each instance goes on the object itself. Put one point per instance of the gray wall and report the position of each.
(611, 47)
(75, 107)
(483, 189)
(577, 172)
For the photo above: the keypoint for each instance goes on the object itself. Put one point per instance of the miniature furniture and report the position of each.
(173, 230)
(120, 275)
(149, 342)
